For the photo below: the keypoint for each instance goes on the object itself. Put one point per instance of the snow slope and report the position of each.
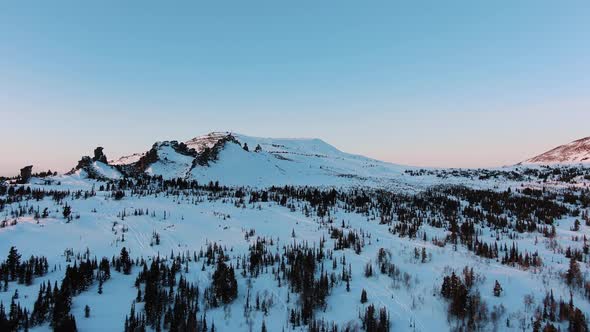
(185, 226)
(278, 162)
(220, 156)
(188, 220)
(292, 162)
(98, 169)
(574, 152)
(170, 163)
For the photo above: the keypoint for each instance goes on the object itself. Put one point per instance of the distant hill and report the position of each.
(577, 151)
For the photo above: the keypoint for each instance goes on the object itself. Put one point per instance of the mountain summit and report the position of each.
(577, 151)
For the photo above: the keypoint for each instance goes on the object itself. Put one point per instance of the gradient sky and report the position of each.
(434, 83)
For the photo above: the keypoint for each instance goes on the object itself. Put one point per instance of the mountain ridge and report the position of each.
(246, 160)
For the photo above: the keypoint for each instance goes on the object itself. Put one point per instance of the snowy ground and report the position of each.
(414, 304)
(188, 223)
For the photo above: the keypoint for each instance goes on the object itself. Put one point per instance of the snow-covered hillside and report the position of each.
(241, 160)
(221, 156)
(228, 232)
(574, 152)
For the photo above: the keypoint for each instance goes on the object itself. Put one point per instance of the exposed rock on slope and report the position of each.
(26, 173)
(96, 167)
(99, 155)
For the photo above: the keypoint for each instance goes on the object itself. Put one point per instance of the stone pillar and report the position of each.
(26, 173)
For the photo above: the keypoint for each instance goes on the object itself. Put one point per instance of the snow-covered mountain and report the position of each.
(240, 160)
(236, 159)
(574, 152)
(355, 243)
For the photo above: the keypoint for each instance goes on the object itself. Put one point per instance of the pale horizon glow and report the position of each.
(454, 84)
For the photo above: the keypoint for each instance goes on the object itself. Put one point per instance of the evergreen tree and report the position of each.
(13, 262)
(577, 321)
(67, 211)
(497, 289)
(364, 296)
(225, 284)
(125, 261)
(61, 318)
(573, 276)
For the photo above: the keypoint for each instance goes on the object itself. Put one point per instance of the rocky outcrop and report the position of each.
(86, 164)
(26, 173)
(150, 157)
(183, 149)
(146, 160)
(203, 149)
(99, 155)
(209, 154)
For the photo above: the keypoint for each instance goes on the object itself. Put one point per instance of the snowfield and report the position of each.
(186, 220)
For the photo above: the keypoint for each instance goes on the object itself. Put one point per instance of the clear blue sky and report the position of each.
(436, 83)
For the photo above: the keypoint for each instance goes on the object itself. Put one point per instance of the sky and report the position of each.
(429, 83)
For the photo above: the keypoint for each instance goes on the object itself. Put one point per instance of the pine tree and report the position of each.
(3, 318)
(497, 289)
(87, 311)
(67, 211)
(225, 284)
(13, 262)
(61, 318)
(573, 275)
(125, 261)
(364, 296)
(577, 321)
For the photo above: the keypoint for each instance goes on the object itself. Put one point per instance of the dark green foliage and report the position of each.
(573, 276)
(364, 296)
(22, 271)
(300, 270)
(464, 303)
(67, 211)
(118, 195)
(13, 262)
(224, 282)
(497, 289)
(123, 262)
(372, 323)
(168, 304)
(61, 320)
